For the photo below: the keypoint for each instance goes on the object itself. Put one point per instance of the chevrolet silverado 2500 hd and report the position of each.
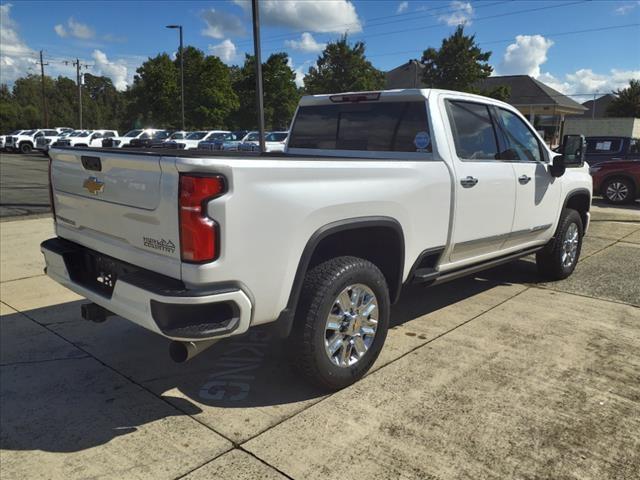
(374, 191)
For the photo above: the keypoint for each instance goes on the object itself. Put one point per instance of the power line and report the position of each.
(547, 35)
(414, 17)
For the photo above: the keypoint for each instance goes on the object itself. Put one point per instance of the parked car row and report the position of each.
(25, 141)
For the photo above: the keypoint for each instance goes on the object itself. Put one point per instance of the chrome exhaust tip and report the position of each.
(181, 352)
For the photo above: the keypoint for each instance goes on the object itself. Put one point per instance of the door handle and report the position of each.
(524, 179)
(468, 182)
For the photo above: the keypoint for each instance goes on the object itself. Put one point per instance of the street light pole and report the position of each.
(258, 60)
(179, 27)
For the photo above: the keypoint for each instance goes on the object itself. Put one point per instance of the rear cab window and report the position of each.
(389, 126)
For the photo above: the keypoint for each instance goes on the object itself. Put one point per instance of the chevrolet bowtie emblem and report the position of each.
(93, 185)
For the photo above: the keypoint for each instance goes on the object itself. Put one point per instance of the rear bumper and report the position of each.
(153, 301)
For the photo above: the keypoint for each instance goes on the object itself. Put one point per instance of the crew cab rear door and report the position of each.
(484, 186)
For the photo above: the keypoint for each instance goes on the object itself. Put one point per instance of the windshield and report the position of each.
(28, 132)
(196, 135)
(133, 133)
(177, 136)
(216, 136)
(160, 135)
(252, 137)
(276, 137)
(16, 132)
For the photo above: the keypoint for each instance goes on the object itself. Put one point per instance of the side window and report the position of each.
(38, 135)
(473, 131)
(521, 142)
(634, 146)
(50, 133)
(144, 136)
(96, 135)
(109, 135)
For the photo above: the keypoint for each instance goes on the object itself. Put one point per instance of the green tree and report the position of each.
(457, 65)
(627, 103)
(280, 93)
(343, 67)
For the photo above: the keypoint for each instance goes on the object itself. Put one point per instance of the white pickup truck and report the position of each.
(374, 191)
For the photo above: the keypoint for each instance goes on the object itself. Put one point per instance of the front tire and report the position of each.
(25, 148)
(341, 322)
(558, 259)
(618, 191)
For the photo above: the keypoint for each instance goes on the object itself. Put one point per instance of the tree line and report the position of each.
(218, 96)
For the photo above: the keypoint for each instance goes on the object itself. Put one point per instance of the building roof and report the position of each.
(407, 75)
(527, 91)
(601, 104)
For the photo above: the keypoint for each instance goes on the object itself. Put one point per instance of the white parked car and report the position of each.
(375, 191)
(25, 141)
(273, 142)
(87, 138)
(232, 145)
(119, 142)
(191, 141)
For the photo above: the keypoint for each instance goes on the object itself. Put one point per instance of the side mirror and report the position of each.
(573, 150)
(572, 154)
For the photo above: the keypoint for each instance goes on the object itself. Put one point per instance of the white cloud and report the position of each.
(586, 80)
(626, 8)
(226, 50)
(299, 71)
(335, 16)
(221, 24)
(60, 30)
(402, 7)
(74, 29)
(461, 14)
(306, 44)
(116, 71)
(16, 58)
(525, 56)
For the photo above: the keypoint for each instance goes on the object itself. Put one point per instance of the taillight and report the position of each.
(53, 206)
(199, 235)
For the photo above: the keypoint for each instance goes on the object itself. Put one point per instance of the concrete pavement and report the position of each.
(497, 376)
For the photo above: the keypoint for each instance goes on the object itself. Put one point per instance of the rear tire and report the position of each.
(558, 259)
(619, 191)
(25, 148)
(341, 322)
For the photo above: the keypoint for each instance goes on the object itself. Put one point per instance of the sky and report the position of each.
(577, 47)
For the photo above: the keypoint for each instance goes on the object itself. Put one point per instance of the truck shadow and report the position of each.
(120, 377)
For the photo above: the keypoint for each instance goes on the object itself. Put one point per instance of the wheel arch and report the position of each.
(345, 237)
(579, 200)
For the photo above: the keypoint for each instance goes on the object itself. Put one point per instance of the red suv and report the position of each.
(618, 181)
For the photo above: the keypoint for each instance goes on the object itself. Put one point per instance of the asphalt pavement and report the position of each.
(498, 376)
(24, 184)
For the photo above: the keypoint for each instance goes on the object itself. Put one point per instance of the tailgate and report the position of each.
(122, 204)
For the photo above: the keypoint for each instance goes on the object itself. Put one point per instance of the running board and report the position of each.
(465, 271)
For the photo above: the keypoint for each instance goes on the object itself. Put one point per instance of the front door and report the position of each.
(538, 194)
(485, 187)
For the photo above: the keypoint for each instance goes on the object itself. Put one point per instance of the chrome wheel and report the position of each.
(617, 191)
(570, 245)
(351, 325)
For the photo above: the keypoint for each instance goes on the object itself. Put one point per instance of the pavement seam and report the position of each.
(30, 362)
(242, 449)
(617, 302)
(22, 278)
(207, 462)
(392, 362)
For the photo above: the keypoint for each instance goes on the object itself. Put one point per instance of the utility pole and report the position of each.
(181, 51)
(79, 79)
(258, 59)
(45, 112)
